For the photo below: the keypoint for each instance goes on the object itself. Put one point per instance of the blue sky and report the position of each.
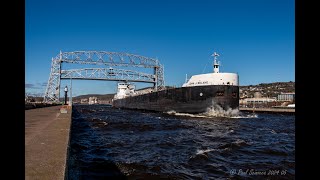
(255, 39)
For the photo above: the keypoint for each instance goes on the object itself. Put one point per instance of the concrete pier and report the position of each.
(269, 110)
(46, 142)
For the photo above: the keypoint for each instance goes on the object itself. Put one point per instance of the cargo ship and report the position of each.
(199, 94)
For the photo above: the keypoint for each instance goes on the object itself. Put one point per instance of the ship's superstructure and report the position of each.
(215, 78)
(124, 90)
(197, 95)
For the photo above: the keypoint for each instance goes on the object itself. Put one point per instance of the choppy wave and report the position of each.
(241, 115)
(204, 151)
(108, 143)
(218, 111)
(211, 113)
(172, 112)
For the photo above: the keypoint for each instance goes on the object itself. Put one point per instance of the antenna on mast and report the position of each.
(216, 64)
(186, 78)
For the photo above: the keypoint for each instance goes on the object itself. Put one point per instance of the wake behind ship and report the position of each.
(200, 94)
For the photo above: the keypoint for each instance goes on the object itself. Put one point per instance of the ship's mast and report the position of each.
(216, 64)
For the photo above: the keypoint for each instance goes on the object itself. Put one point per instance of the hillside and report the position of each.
(267, 89)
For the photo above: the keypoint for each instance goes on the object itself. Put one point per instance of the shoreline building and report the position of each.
(286, 97)
(93, 100)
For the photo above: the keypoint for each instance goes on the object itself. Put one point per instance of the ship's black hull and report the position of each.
(195, 99)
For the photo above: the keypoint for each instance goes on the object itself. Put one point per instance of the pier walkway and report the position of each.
(46, 142)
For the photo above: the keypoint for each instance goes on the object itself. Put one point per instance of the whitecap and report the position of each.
(204, 151)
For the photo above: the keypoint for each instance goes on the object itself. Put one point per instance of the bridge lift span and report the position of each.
(112, 59)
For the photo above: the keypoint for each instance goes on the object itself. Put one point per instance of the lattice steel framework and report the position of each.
(108, 74)
(52, 93)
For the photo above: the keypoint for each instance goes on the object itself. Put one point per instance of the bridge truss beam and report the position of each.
(109, 74)
(107, 58)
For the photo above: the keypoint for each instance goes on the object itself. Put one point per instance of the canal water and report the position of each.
(109, 143)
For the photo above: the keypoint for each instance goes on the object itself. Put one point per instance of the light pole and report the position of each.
(65, 95)
(70, 91)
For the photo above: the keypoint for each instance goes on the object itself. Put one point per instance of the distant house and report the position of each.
(84, 101)
(286, 97)
(93, 100)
